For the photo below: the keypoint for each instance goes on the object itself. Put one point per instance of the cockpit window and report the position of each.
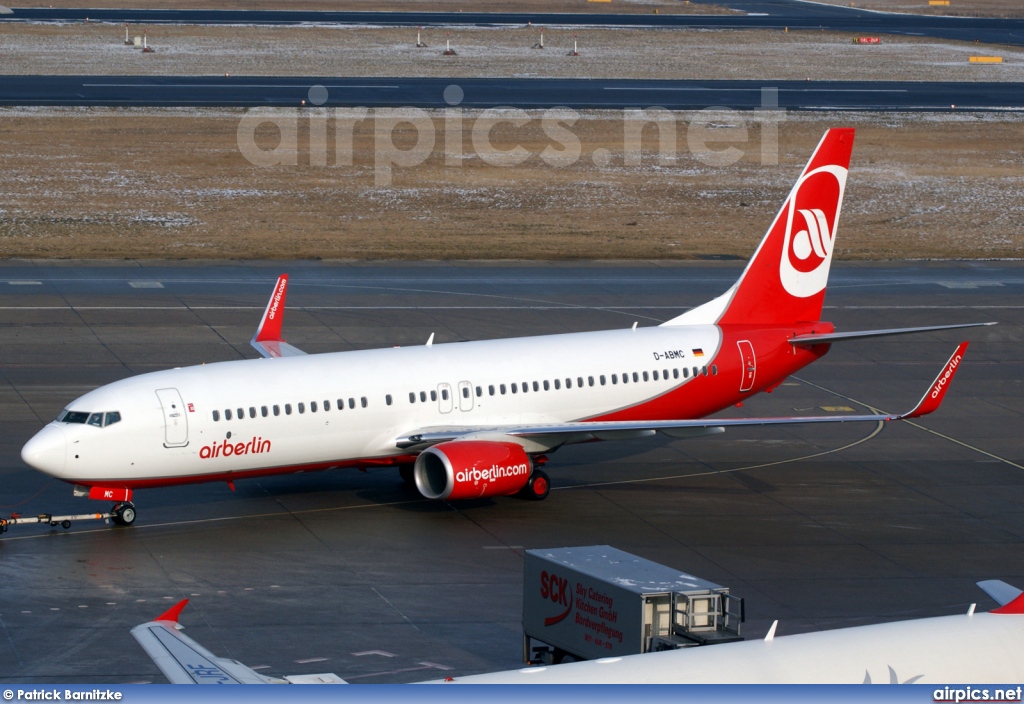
(97, 420)
(72, 417)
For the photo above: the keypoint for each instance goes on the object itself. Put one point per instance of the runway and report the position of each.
(291, 91)
(759, 15)
(348, 572)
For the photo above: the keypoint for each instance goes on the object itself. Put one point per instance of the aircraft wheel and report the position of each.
(65, 524)
(539, 486)
(124, 514)
(406, 472)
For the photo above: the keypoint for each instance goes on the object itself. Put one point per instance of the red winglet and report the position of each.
(270, 326)
(933, 398)
(173, 613)
(1014, 607)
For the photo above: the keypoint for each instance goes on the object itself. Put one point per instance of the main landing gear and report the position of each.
(538, 486)
(405, 471)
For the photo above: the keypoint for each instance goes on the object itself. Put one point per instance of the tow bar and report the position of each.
(62, 521)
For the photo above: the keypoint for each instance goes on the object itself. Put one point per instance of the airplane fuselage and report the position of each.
(246, 418)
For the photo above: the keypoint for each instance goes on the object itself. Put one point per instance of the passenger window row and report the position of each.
(422, 396)
(275, 410)
(580, 382)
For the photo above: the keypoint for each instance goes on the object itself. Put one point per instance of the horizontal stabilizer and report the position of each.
(864, 334)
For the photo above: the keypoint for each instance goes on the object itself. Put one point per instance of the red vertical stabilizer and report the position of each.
(784, 282)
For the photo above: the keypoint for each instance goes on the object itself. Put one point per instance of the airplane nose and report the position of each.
(46, 451)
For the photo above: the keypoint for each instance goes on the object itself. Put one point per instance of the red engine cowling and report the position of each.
(472, 469)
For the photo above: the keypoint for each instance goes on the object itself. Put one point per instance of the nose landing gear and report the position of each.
(123, 514)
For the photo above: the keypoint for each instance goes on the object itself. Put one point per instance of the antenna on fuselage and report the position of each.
(430, 340)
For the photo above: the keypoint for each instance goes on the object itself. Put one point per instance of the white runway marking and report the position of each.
(219, 86)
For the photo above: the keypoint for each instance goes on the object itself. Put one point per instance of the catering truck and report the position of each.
(597, 601)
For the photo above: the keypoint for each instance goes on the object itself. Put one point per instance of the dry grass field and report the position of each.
(138, 183)
(113, 183)
(616, 6)
(97, 49)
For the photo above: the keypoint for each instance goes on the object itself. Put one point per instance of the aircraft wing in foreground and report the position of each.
(964, 649)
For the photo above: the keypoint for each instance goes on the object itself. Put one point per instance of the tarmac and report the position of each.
(351, 573)
(525, 93)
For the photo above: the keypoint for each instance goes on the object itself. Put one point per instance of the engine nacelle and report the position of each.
(472, 469)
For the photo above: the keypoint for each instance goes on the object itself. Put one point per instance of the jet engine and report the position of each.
(473, 469)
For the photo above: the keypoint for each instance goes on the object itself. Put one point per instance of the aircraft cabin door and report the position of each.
(175, 422)
(445, 402)
(465, 396)
(748, 364)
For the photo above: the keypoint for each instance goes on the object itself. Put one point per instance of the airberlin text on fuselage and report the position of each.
(224, 448)
(486, 475)
(944, 379)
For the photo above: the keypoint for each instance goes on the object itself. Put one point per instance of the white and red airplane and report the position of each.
(475, 419)
(969, 648)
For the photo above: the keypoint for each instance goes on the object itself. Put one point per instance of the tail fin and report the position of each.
(784, 281)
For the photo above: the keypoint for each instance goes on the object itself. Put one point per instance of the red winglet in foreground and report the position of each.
(267, 339)
(172, 614)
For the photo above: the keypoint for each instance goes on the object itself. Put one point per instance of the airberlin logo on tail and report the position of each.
(492, 473)
(256, 446)
(812, 214)
(941, 382)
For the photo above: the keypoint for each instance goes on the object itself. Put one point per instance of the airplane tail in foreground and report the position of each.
(784, 281)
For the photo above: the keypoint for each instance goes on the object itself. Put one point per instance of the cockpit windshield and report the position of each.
(99, 420)
(72, 417)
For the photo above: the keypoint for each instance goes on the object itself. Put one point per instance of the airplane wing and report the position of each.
(183, 661)
(267, 339)
(1000, 591)
(582, 431)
